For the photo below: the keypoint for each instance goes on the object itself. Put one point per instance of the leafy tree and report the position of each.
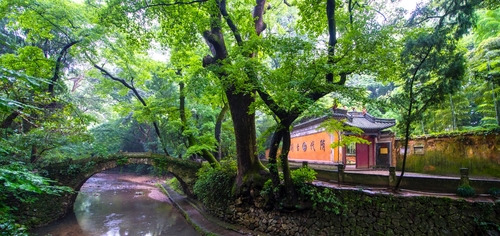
(432, 64)
(485, 63)
(207, 18)
(301, 74)
(45, 33)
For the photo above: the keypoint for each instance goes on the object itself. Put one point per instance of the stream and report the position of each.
(113, 203)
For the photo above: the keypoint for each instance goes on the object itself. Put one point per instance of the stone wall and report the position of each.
(444, 155)
(485, 145)
(364, 213)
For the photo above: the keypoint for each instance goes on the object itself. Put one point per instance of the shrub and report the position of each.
(19, 186)
(214, 185)
(466, 191)
(309, 195)
(303, 175)
(495, 192)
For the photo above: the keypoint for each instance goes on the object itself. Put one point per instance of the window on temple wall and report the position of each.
(418, 149)
(351, 149)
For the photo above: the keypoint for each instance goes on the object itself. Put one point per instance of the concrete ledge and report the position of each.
(198, 218)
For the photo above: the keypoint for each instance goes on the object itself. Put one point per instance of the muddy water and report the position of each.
(112, 203)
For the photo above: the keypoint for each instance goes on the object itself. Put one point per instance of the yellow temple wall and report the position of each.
(314, 148)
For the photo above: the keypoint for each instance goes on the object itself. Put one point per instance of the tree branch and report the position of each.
(60, 57)
(258, 14)
(223, 10)
(332, 31)
(215, 41)
(7, 122)
(139, 97)
(168, 4)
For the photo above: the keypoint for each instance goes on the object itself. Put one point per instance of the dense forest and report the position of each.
(215, 79)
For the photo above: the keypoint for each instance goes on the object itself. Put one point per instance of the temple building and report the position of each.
(308, 143)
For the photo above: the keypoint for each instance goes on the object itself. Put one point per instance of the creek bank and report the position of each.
(367, 213)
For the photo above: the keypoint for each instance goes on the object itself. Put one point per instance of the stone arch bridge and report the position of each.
(74, 173)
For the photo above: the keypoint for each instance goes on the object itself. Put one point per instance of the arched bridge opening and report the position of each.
(74, 173)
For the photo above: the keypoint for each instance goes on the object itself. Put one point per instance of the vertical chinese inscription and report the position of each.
(322, 145)
(312, 146)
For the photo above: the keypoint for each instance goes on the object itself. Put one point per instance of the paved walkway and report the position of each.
(352, 169)
(201, 220)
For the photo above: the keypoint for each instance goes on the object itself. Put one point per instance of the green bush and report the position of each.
(320, 198)
(495, 192)
(19, 186)
(214, 185)
(308, 194)
(303, 175)
(466, 191)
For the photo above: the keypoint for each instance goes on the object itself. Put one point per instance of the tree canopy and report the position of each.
(204, 79)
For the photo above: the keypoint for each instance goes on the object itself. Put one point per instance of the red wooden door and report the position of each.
(362, 155)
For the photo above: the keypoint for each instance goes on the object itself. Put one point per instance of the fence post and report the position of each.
(304, 164)
(340, 171)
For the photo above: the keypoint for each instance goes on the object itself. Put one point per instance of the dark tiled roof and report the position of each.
(368, 122)
(364, 121)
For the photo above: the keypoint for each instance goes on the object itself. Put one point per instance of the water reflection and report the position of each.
(116, 204)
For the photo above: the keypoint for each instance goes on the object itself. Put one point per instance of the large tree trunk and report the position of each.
(251, 172)
(250, 169)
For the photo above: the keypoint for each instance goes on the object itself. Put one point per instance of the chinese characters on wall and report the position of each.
(307, 146)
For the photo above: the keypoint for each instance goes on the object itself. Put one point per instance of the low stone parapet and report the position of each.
(374, 214)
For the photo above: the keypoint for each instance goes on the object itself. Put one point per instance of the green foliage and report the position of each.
(19, 185)
(477, 131)
(338, 126)
(303, 175)
(215, 184)
(466, 191)
(487, 24)
(309, 195)
(494, 191)
(321, 198)
(122, 161)
(175, 185)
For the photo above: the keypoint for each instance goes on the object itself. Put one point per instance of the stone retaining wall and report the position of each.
(373, 214)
